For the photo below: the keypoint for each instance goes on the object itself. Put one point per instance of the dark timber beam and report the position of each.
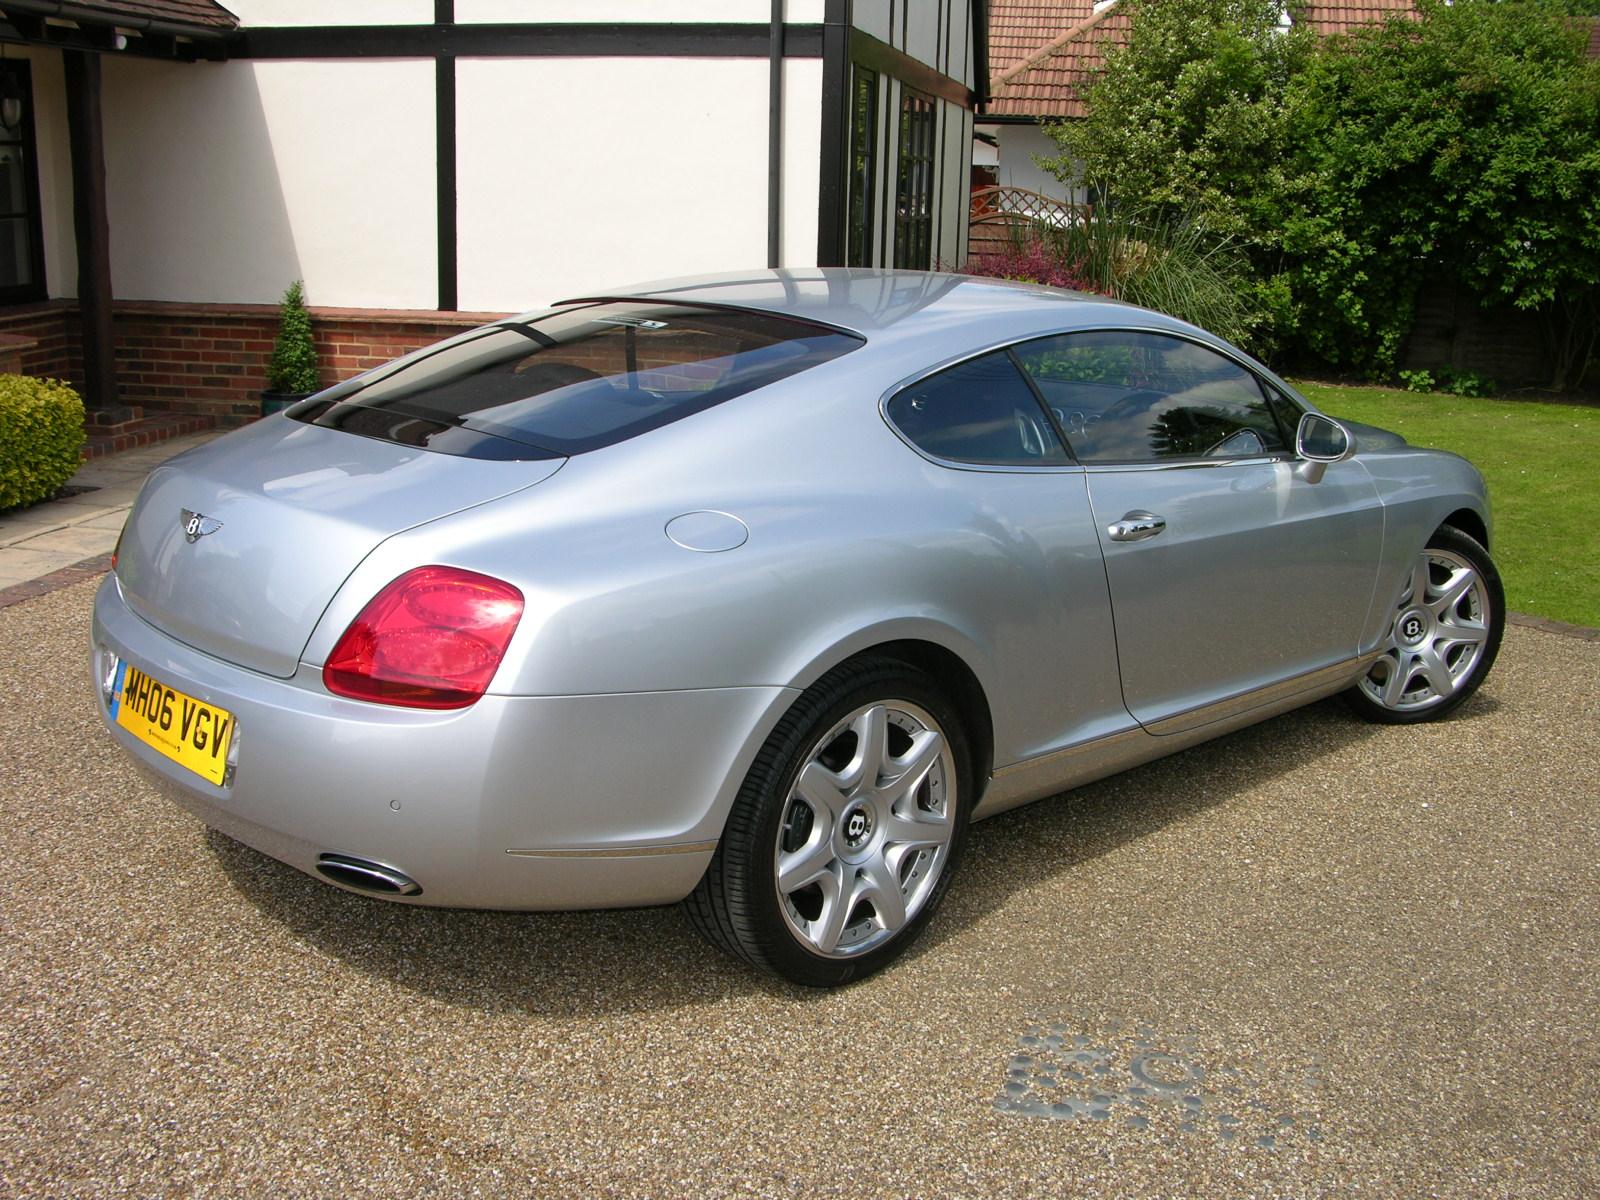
(86, 135)
(832, 180)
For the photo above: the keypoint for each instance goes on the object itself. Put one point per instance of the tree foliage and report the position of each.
(1188, 115)
(1462, 146)
(1458, 145)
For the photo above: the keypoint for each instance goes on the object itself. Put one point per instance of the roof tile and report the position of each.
(202, 13)
(1045, 54)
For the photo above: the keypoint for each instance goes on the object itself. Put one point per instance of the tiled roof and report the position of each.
(198, 13)
(1052, 80)
(1034, 74)
(1339, 16)
(1594, 37)
(1019, 27)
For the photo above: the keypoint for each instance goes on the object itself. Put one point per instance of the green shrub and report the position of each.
(41, 434)
(1466, 383)
(1448, 379)
(293, 367)
(1170, 265)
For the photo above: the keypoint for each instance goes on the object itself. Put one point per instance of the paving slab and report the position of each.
(45, 537)
(78, 541)
(1317, 957)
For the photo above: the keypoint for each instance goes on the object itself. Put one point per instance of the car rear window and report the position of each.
(574, 380)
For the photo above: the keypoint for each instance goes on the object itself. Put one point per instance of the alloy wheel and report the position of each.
(866, 829)
(1437, 637)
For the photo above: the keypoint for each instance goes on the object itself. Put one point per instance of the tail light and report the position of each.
(431, 639)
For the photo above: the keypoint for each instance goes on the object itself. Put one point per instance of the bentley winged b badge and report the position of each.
(197, 525)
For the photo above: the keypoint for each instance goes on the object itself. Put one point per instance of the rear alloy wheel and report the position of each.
(846, 832)
(1443, 636)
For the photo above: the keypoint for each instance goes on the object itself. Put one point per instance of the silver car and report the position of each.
(752, 592)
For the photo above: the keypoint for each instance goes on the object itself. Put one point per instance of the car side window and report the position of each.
(1137, 397)
(981, 411)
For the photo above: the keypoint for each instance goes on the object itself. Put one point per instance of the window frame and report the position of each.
(38, 289)
(916, 147)
(863, 164)
(1264, 380)
(1263, 384)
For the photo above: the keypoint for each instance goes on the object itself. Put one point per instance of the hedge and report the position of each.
(41, 435)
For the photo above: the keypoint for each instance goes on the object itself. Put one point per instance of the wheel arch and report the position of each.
(940, 650)
(1471, 523)
(957, 680)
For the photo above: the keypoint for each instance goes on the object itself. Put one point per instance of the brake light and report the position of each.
(433, 638)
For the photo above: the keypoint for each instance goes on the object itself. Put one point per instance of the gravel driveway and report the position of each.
(1317, 956)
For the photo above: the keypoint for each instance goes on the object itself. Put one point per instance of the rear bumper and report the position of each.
(548, 802)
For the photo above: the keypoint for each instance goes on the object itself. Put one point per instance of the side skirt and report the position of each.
(1049, 774)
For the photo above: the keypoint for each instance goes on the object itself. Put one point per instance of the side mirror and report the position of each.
(1318, 441)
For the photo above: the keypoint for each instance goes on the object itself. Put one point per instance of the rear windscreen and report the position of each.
(575, 380)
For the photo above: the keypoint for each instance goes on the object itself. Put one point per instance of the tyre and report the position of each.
(847, 830)
(1443, 635)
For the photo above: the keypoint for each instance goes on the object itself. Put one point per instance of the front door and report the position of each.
(1228, 571)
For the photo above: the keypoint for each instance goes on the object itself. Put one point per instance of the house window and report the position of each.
(21, 261)
(913, 211)
(863, 166)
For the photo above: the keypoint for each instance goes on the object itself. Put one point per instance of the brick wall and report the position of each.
(53, 326)
(212, 358)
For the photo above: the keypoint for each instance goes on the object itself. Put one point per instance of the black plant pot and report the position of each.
(276, 402)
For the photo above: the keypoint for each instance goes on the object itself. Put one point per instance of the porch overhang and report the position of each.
(185, 30)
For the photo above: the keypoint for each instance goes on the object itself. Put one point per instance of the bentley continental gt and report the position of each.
(753, 592)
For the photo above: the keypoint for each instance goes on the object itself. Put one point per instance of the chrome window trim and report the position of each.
(1181, 464)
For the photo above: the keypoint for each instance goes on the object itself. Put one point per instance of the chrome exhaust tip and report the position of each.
(366, 876)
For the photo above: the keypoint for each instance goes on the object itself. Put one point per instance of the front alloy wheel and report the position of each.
(846, 832)
(1443, 637)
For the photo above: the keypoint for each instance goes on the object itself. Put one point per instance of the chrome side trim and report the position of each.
(1347, 671)
(620, 851)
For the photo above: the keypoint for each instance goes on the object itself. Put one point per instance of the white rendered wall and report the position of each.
(55, 168)
(470, 11)
(959, 51)
(872, 16)
(1018, 145)
(332, 12)
(226, 181)
(802, 161)
(576, 174)
(922, 38)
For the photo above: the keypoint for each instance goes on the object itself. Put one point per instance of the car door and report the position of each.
(1025, 567)
(1229, 570)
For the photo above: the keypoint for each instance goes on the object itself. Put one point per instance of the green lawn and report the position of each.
(1542, 462)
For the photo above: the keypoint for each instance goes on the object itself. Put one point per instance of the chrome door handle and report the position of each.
(1136, 526)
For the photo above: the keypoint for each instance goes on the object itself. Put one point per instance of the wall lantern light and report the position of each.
(10, 100)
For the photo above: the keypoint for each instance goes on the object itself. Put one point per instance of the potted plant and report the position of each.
(292, 371)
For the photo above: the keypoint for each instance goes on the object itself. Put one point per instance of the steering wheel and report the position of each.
(1031, 434)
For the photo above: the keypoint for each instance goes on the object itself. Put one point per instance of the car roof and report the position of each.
(885, 304)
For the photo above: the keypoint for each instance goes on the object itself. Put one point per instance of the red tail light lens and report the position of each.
(431, 639)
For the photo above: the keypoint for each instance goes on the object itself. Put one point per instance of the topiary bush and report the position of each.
(41, 435)
(293, 368)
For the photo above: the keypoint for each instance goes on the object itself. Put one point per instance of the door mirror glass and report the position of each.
(1322, 439)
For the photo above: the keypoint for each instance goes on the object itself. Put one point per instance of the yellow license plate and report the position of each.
(192, 734)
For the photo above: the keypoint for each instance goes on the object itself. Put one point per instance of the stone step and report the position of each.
(145, 431)
(111, 420)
